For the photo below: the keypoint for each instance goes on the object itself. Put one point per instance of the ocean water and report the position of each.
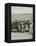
(21, 17)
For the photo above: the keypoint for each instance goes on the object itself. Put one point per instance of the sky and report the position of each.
(21, 10)
(20, 13)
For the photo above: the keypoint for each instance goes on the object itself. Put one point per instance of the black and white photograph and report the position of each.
(21, 23)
